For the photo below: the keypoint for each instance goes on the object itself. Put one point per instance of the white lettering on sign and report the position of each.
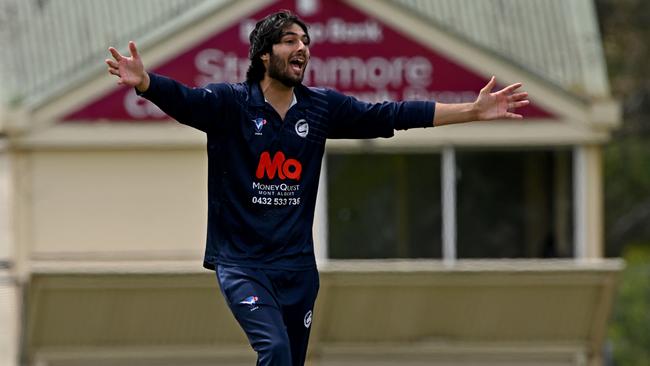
(413, 74)
(217, 66)
(375, 72)
(335, 30)
(307, 7)
(140, 108)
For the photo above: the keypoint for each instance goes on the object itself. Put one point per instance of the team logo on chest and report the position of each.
(302, 128)
(259, 124)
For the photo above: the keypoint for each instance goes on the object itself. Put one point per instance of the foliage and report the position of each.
(630, 328)
(627, 173)
(625, 36)
(625, 33)
(627, 193)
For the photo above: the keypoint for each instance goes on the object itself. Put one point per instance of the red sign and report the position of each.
(351, 52)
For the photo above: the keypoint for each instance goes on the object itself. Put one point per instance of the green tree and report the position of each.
(627, 159)
(627, 174)
(630, 329)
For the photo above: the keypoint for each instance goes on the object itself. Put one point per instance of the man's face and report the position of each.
(288, 59)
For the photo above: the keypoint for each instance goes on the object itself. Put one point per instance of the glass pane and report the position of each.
(514, 204)
(384, 205)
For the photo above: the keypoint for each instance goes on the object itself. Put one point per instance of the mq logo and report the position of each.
(280, 165)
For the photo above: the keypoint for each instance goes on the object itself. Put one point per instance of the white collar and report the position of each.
(294, 101)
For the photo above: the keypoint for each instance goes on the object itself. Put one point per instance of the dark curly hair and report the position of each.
(268, 32)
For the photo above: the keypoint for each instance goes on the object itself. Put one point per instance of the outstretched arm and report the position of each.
(130, 70)
(196, 107)
(488, 106)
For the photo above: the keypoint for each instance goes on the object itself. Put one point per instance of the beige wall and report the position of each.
(9, 319)
(503, 312)
(6, 244)
(114, 203)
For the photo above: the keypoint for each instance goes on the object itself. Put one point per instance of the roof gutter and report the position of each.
(13, 121)
(606, 113)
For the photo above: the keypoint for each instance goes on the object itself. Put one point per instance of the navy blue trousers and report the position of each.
(274, 308)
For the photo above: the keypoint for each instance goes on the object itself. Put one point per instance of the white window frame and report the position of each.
(449, 201)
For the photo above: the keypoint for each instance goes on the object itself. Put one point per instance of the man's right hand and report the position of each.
(130, 70)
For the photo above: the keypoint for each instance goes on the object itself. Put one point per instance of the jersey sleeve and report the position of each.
(196, 107)
(351, 118)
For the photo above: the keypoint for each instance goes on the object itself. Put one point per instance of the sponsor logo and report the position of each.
(302, 128)
(307, 320)
(278, 165)
(259, 123)
(251, 301)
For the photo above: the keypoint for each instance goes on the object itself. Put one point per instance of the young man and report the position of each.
(265, 140)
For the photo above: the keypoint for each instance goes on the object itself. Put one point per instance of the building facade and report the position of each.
(479, 243)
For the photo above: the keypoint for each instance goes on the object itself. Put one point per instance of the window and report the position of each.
(384, 205)
(514, 204)
(509, 204)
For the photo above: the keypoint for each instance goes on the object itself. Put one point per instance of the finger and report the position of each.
(511, 88)
(519, 104)
(133, 49)
(114, 72)
(513, 116)
(490, 85)
(518, 96)
(112, 63)
(116, 55)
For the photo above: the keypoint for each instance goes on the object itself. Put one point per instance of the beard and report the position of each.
(279, 70)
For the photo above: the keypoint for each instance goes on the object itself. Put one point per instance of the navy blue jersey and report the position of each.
(263, 171)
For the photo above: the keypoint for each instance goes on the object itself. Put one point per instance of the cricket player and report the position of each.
(265, 141)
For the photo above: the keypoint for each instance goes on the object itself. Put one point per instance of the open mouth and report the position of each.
(297, 63)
